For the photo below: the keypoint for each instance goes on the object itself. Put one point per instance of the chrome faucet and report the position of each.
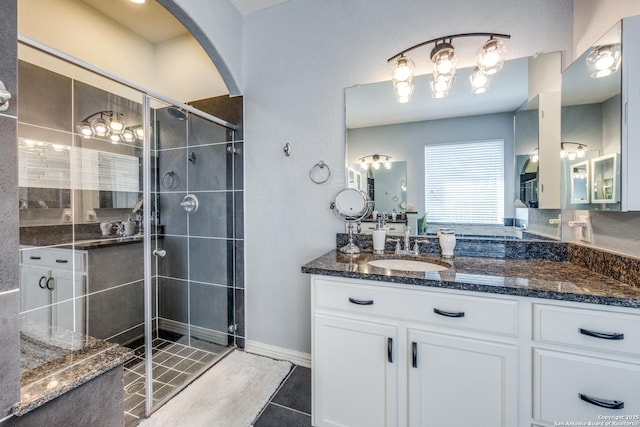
(407, 244)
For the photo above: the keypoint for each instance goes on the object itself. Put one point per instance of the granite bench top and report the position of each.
(529, 278)
(55, 361)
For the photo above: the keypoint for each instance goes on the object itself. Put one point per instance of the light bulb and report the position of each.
(402, 69)
(364, 165)
(491, 56)
(387, 165)
(479, 81)
(444, 59)
(100, 127)
(580, 152)
(604, 60)
(116, 124)
(563, 152)
(114, 139)
(571, 155)
(139, 131)
(375, 165)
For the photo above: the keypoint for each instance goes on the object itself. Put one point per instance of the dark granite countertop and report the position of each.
(55, 361)
(529, 278)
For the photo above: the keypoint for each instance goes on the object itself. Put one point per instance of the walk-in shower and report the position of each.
(160, 277)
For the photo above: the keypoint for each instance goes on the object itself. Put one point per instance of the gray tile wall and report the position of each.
(9, 273)
(201, 278)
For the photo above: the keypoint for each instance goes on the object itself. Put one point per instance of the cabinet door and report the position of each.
(68, 310)
(36, 298)
(455, 381)
(355, 373)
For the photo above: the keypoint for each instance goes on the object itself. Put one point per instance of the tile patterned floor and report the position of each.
(174, 366)
(291, 404)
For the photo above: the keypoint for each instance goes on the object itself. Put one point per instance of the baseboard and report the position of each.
(295, 357)
(205, 334)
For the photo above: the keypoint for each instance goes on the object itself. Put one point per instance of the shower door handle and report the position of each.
(159, 252)
(5, 96)
(190, 203)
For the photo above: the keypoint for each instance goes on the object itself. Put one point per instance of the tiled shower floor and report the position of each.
(174, 366)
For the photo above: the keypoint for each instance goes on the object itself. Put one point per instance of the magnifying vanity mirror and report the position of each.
(351, 205)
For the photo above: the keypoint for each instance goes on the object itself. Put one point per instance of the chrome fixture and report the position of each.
(190, 203)
(374, 161)
(110, 124)
(490, 59)
(604, 60)
(579, 152)
(5, 96)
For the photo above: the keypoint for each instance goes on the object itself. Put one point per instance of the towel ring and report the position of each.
(317, 169)
(168, 180)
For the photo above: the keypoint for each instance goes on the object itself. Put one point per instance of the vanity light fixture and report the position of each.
(375, 160)
(490, 59)
(604, 60)
(109, 124)
(534, 157)
(579, 152)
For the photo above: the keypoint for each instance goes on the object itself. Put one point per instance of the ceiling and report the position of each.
(152, 22)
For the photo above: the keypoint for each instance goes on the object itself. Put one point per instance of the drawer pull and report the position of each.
(390, 350)
(414, 354)
(41, 283)
(35, 257)
(50, 283)
(449, 313)
(62, 261)
(603, 403)
(361, 301)
(602, 335)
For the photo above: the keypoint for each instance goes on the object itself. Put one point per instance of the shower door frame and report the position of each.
(146, 94)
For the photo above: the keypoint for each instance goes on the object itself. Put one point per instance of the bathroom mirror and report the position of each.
(377, 124)
(591, 128)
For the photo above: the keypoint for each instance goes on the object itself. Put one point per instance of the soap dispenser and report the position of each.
(379, 237)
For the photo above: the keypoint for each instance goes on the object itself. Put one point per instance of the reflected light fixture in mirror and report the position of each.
(109, 124)
(604, 60)
(579, 152)
(490, 59)
(374, 161)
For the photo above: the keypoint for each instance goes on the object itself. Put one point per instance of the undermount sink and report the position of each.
(406, 265)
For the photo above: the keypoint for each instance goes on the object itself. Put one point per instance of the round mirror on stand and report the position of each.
(351, 205)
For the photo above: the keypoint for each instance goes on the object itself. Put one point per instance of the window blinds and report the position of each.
(464, 182)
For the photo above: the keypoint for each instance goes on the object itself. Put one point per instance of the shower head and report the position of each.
(176, 113)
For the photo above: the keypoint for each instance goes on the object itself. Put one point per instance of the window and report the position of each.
(464, 182)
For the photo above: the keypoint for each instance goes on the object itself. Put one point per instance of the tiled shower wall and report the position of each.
(200, 280)
(9, 280)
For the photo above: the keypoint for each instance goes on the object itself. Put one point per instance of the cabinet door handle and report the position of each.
(414, 354)
(41, 283)
(603, 403)
(390, 350)
(361, 301)
(50, 283)
(449, 313)
(602, 335)
(62, 261)
(35, 257)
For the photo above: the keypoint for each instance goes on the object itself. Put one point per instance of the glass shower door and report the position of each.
(192, 228)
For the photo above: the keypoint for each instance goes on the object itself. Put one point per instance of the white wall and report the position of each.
(298, 58)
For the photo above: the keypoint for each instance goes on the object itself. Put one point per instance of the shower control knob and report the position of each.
(159, 252)
(190, 203)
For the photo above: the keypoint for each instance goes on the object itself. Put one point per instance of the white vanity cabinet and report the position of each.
(586, 364)
(386, 355)
(50, 280)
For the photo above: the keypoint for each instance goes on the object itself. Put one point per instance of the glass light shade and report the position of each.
(115, 139)
(404, 91)
(85, 129)
(100, 127)
(571, 155)
(387, 165)
(534, 157)
(375, 165)
(580, 152)
(480, 82)
(139, 131)
(563, 152)
(364, 165)
(604, 60)
(116, 124)
(444, 59)
(402, 69)
(440, 85)
(128, 135)
(491, 56)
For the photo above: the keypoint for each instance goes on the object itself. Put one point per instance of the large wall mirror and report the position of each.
(591, 126)
(376, 124)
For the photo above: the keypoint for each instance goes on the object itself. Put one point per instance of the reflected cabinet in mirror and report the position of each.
(458, 152)
(598, 151)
